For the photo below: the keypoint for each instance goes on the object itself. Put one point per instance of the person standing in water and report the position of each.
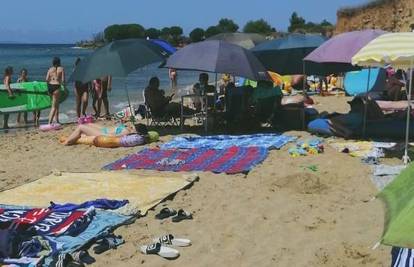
(55, 78)
(101, 87)
(106, 87)
(172, 73)
(8, 72)
(22, 79)
(82, 95)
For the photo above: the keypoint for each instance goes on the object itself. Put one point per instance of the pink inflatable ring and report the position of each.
(50, 127)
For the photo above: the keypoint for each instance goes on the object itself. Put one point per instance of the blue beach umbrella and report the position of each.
(218, 57)
(119, 58)
(285, 55)
(165, 45)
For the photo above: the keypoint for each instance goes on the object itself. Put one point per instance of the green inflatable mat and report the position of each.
(29, 96)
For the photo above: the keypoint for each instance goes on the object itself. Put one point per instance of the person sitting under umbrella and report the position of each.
(201, 88)
(266, 100)
(161, 105)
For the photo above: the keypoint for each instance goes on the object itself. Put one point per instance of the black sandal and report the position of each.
(165, 213)
(182, 215)
(109, 242)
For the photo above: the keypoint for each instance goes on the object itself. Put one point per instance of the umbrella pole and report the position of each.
(129, 101)
(406, 159)
(364, 123)
(304, 79)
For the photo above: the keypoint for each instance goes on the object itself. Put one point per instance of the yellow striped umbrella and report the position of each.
(396, 49)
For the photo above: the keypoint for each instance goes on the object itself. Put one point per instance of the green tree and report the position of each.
(124, 31)
(326, 23)
(135, 31)
(258, 26)
(296, 22)
(227, 25)
(165, 31)
(211, 31)
(197, 35)
(111, 33)
(152, 33)
(175, 33)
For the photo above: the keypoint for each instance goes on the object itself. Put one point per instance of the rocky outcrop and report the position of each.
(389, 15)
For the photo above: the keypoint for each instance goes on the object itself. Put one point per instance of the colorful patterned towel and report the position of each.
(269, 141)
(230, 160)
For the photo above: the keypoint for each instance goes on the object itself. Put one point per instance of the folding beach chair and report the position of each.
(156, 120)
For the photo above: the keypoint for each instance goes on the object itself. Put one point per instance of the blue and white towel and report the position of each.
(269, 141)
(402, 257)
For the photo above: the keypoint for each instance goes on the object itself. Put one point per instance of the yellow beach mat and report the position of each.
(143, 192)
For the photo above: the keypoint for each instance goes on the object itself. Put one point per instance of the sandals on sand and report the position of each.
(110, 242)
(170, 240)
(158, 249)
(165, 213)
(182, 215)
(178, 216)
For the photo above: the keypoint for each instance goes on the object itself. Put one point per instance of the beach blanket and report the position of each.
(269, 141)
(230, 160)
(142, 192)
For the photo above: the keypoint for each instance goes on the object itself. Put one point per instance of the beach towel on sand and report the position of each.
(402, 257)
(99, 225)
(269, 141)
(230, 160)
(142, 192)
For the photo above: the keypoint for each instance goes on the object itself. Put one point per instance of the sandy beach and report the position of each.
(280, 214)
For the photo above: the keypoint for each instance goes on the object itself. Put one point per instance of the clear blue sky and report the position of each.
(57, 21)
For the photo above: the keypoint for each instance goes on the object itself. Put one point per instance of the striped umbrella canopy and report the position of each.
(396, 49)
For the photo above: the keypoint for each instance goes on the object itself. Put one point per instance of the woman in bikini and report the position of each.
(100, 130)
(55, 78)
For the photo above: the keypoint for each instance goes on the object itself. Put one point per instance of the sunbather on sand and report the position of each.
(99, 130)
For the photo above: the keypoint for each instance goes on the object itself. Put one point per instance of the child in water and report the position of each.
(22, 79)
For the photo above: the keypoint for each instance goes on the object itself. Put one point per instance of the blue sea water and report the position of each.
(37, 58)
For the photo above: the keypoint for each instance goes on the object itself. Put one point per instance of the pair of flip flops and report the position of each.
(110, 242)
(163, 246)
(178, 216)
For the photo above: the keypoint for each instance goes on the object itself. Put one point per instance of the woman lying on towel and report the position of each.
(100, 130)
